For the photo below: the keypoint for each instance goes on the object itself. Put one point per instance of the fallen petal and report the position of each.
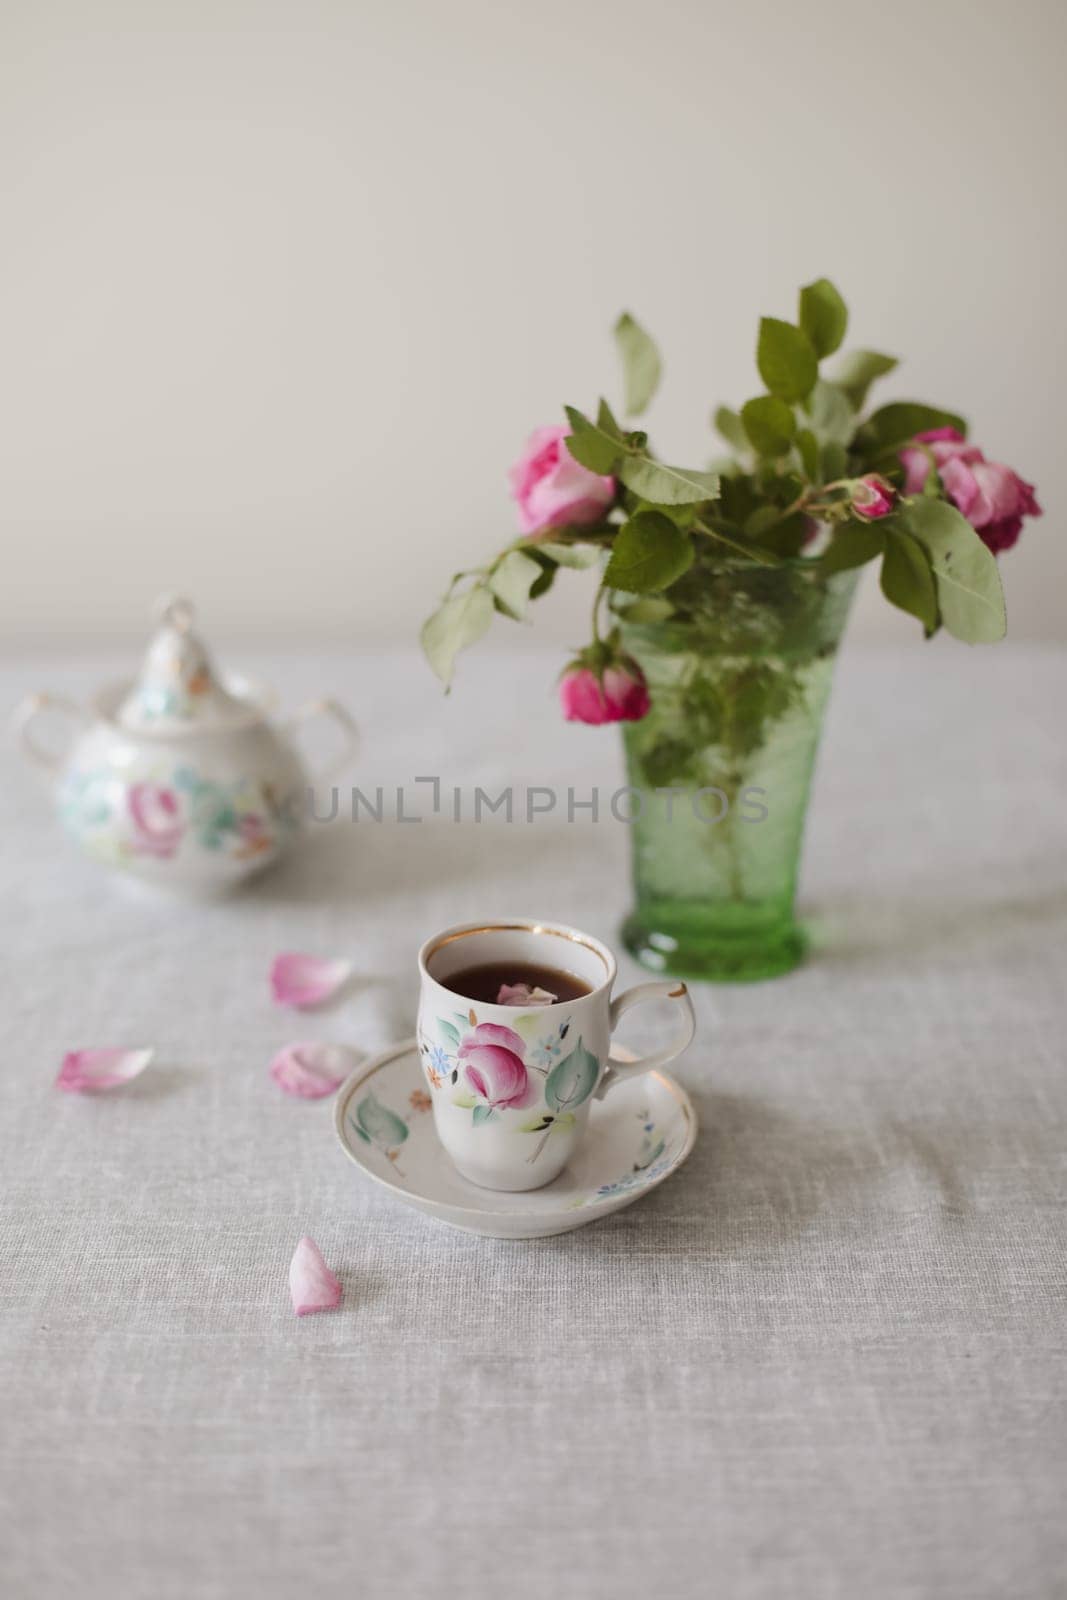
(311, 1283)
(90, 1071)
(312, 1070)
(301, 981)
(520, 994)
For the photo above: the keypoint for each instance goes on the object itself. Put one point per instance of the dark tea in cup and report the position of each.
(501, 983)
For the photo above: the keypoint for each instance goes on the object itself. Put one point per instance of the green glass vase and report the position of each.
(721, 768)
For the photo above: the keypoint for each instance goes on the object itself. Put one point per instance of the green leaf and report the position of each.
(591, 445)
(449, 1033)
(831, 413)
(605, 419)
(512, 581)
(728, 426)
(538, 1125)
(808, 448)
(907, 579)
(769, 424)
(761, 519)
(578, 556)
(380, 1124)
(650, 608)
(480, 1114)
(785, 536)
(683, 516)
(544, 581)
(641, 365)
(650, 553)
(667, 486)
(823, 316)
(725, 533)
(834, 459)
(858, 369)
(572, 1080)
(852, 545)
(458, 622)
(464, 1099)
(969, 594)
(786, 361)
(893, 425)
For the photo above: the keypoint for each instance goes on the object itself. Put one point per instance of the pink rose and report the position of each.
(491, 1056)
(154, 812)
(992, 497)
(872, 497)
(552, 489)
(619, 694)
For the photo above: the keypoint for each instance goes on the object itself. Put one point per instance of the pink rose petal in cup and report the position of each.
(311, 1283)
(91, 1071)
(520, 994)
(302, 981)
(312, 1070)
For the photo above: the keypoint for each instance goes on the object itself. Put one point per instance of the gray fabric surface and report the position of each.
(825, 1360)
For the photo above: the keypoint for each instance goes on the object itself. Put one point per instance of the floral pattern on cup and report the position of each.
(159, 813)
(493, 1069)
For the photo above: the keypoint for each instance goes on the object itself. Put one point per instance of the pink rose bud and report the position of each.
(617, 694)
(872, 497)
(552, 489)
(992, 497)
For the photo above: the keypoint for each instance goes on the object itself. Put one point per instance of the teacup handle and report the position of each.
(337, 714)
(619, 1071)
(26, 714)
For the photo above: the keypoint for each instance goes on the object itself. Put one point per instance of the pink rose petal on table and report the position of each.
(91, 1071)
(302, 981)
(312, 1070)
(311, 1283)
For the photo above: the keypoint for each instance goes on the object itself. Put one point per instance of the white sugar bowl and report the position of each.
(181, 777)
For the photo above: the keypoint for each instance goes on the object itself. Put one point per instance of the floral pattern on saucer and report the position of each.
(386, 1130)
(636, 1138)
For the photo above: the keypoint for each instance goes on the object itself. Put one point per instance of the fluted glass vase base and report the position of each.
(738, 945)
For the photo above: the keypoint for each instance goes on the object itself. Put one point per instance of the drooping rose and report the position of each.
(872, 497)
(156, 817)
(492, 1060)
(992, 497)
(618, 694)
(552, 489)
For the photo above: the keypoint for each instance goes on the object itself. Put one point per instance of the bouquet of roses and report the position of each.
(813, 478)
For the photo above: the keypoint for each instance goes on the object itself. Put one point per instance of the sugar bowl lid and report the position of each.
(178, 686)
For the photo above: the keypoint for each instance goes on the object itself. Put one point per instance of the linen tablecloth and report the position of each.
(824, 1360)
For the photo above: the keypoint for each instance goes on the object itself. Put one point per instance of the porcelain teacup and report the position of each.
(511, 1085)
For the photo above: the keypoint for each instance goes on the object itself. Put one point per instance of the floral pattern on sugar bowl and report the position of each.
(493, 1068)
(160, 814)
(180, 777)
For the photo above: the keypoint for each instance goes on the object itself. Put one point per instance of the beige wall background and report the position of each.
(283, 287)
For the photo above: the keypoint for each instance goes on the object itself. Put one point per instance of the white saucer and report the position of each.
(637, 1136)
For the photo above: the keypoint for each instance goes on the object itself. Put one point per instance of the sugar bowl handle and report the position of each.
(343, 720)
(27, 713)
